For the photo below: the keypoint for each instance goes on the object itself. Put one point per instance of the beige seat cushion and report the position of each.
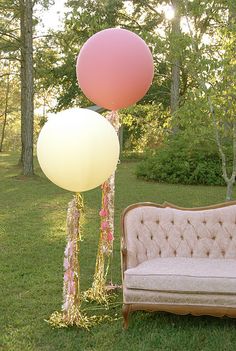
(180, 274)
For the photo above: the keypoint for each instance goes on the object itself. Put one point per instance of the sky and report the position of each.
(50, 19)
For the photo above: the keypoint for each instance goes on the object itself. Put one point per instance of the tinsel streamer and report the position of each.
(71, 313)
(99, 292)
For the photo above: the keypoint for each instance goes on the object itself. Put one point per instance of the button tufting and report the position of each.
(191, 252)
(198, 237)
(220, 222)
(213, 238)
(157, 221)
(223, 252)
(204, 222)
(181, 237)
(151, 237)
(231, 238)
(167, 237)
(208, 253)
(142, 221)
(188, 221)
(137, 237)
(175, 252)
(160, 252)
(172, 221)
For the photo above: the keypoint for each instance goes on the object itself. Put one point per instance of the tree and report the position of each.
(9, 56)
(84, 18)
(215, 73)
(6, 107)
(175, 69)
(27, 86)
(222, 104)
(179, 64)
(142, 129)
(17, 26)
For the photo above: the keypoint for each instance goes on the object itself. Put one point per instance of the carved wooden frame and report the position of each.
(215, 311)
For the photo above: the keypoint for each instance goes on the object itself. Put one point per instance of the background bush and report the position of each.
(144, 127)
(178, 162)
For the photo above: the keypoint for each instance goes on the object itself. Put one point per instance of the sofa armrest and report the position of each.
(128, 258)
(124, 258)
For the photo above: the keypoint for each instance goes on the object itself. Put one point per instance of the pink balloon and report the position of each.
(115, 68)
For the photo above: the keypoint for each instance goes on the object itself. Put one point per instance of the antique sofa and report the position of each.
(179, 260)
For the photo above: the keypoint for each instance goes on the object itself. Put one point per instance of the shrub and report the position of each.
(132, 156)
(178, 163)
(144, 126)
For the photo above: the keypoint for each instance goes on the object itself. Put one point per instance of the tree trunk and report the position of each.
(27, 86)
(229, 192)
(229, 181)
(121, 137)
(6, 108)
(175, 71)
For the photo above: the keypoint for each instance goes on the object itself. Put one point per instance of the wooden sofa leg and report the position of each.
(125, 312)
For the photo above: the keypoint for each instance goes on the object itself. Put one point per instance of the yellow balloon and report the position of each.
(78, 149)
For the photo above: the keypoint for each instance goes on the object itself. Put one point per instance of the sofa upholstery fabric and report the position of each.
(169, 232)
(136, 296)
(180, 274)
(179, 260)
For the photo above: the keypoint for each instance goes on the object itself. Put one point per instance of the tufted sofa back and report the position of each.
(151, 231)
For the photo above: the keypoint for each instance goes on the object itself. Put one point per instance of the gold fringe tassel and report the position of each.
(99, 292)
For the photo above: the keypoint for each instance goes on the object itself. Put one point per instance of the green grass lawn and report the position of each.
(32, 235)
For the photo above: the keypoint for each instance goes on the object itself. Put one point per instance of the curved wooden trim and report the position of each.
(203, 208)
(214, 311)
(168, 204)
(125, 312)
(141, 204)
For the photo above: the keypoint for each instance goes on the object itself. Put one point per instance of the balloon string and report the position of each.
(116, 124)
(98, 291)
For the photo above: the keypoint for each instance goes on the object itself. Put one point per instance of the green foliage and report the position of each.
(9, 105)
(132, 156)
(180, 163)
(85, 18)
(193, 119)
(145, 126)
